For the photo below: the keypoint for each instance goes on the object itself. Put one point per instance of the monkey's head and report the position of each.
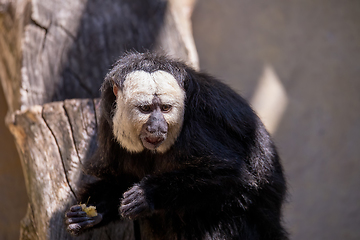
(149, 109)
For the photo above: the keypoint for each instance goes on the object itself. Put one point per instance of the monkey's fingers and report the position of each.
(75, 208)
(76, 225)
(127, 208)
(129, 198)
(75, 214)
(75, 228)
(135, 189)
(135, 197)
(134, 209)
(77, 220)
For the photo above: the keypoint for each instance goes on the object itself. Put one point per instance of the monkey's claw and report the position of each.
(77, 220)
(134, 203)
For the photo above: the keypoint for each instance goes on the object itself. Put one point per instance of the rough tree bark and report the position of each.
(55, 51)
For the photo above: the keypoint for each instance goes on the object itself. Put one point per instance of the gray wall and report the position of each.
(313, 50)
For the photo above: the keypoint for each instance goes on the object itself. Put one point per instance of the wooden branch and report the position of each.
(53, 142)
(53, 51)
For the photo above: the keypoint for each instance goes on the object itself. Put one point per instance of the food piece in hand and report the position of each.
(90, 211)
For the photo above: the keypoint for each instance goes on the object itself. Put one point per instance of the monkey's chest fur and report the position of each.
(168, 223)
(147, 163)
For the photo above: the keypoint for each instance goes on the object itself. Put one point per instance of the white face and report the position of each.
(140, 88)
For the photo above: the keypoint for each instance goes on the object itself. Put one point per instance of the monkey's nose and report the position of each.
(151, 129)
(157, 128)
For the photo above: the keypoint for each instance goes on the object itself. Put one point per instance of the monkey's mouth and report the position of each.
(152, 142)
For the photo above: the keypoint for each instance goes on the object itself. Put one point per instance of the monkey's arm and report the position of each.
(211, 185)
(192, 188)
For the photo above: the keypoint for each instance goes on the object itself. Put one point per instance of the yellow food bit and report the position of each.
(90, 211)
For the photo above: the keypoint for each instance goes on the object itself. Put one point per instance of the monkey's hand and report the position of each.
(77, 220)
(134, 203)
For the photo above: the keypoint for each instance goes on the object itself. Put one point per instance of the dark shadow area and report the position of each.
(107, 29)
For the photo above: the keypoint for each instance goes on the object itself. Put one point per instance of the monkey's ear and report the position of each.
(115, 90)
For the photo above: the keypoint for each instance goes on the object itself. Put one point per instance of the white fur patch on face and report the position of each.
(139, 89)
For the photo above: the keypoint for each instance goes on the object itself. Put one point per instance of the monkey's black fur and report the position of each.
(222, 178)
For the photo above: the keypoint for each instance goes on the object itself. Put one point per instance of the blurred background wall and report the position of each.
(13, 197)
(298, 64)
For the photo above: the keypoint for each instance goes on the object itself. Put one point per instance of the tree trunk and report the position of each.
(54, 51)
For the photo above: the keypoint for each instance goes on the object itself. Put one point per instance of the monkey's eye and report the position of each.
(165, 108)
(145, 108)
